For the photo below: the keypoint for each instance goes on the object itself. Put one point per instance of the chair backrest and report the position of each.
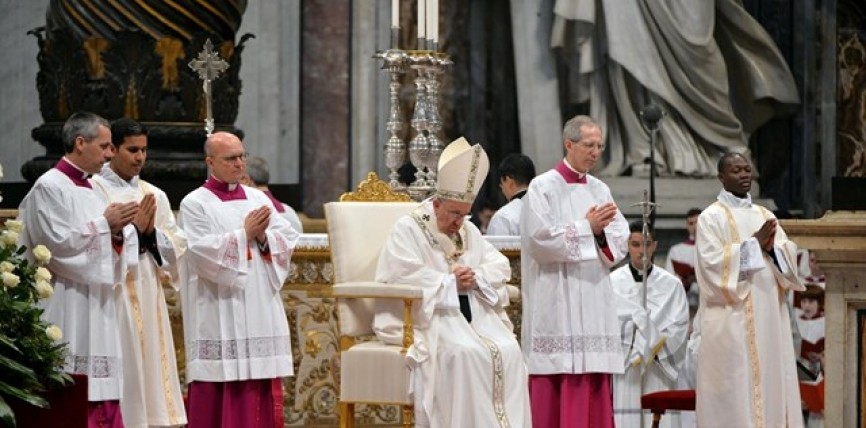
(357, 233)
(357, 228)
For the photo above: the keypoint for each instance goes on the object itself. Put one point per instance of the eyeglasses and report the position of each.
(586, 145)
(234, 158)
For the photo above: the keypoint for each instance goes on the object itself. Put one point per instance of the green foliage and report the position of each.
(31, 361)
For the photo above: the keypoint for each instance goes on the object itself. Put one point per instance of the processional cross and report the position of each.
(208, 65)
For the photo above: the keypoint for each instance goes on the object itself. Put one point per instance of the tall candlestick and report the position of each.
(395, 13)
(422, 23)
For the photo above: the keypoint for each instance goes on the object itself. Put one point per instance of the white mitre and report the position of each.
(462, 170)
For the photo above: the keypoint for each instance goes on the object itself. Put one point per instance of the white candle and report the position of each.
(433, 29)
(421, 20)
(395, 13)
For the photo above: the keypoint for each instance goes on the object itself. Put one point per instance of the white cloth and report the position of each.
(569, 310)
(653, 339)
(292, 217)
(464, 375)
(151, 395)
(235, 326)
(88, 274)
(746, 373)
(506, 220)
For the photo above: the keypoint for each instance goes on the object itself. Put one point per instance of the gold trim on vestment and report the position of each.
(752, 342)
(498, 382)
(726, 256)
(163, 358)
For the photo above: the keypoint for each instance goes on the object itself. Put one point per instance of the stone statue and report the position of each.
(709, 64)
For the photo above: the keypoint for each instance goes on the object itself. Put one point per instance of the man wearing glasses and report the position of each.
(237, 336)
(571, 234)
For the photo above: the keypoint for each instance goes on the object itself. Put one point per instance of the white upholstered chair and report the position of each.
(370, 371)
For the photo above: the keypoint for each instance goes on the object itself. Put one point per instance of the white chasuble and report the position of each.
(653, 340)
(235, 326)
(88, 275)
(151, 392)
(464, 374)
(569, 309)
(746, 373)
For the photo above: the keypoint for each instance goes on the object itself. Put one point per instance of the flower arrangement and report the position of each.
(31, 351)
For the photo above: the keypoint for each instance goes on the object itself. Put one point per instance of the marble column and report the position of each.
(269, 110)
(325, 101)
(371, 21)
(839, 242)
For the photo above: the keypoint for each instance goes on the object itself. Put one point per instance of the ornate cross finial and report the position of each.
(209, 66)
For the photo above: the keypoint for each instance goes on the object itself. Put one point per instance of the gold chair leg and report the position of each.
(657, 418)
(347, 415)
(408, 416)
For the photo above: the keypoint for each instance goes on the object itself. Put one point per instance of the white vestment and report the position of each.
(746, 364)
(569, 310)
(151, 395)
(464, 375)
(88, 276)
(654, 340)
(235, 326)
(506, 220)
(292, 217)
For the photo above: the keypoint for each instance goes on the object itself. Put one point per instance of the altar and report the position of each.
(311, 396)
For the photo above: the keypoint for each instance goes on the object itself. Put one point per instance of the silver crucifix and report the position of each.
(208, 65)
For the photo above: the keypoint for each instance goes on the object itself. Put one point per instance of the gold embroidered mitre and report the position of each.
(462, 170)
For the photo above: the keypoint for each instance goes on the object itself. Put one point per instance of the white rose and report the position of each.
(6, 267)
(44, 289)
(54, 332)
(15, 225)
(43, 274)
(42, 254)
(10, 238)
(9, 279)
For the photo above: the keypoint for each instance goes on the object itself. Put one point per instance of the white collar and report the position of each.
(110, 175)
(734, 201)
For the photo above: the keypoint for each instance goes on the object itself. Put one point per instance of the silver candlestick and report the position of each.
(394, 63)
(434, 121)
(419, 147)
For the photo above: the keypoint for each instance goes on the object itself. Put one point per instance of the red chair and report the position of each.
(662, 401)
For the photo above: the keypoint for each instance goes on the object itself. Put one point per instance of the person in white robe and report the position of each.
(259, 176)
(235, 327)
(467, 368)
(92, 245)
(515, 172)
(152, 395)
(746, 372)
(653, 334)
(572, 233)
(681, 259)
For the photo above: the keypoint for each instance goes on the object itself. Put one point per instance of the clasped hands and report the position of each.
(141, 214)
(256, 223)
(599, 216)
(465, 278)
(766, 235)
